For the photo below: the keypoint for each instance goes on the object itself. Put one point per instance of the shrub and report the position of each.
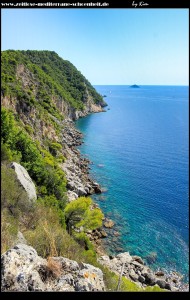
(6, 154)
(53, 268)
(83, 240)
(29, 129)
(79, 213)
(54, 148)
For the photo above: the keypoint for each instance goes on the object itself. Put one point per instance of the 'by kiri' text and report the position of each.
(139, 4)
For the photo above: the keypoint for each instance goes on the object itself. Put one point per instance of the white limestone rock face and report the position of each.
(25, 181)
(71, 196)
(19, 269)
(23, 270)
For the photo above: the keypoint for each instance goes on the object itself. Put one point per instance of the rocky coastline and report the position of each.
(79, 183)
(76, 167)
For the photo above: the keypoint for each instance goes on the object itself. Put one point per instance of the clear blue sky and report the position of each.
(108, 46)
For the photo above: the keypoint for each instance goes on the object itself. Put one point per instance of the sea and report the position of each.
(139, 148)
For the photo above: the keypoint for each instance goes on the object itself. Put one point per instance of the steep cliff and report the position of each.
(42, 94)
(41, 79)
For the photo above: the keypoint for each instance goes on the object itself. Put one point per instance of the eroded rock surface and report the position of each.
(135, 270)
(23, 270)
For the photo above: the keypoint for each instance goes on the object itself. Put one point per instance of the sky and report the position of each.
(108, 46)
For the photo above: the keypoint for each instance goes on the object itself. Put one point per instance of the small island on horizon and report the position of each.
(134, 86)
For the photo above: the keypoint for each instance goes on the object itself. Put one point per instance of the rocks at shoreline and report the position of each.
(79, 184)
(136, 270)
(109, 223)
(76, 167)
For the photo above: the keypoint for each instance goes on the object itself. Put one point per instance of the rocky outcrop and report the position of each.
(23, 270)
(72, 114)
(135, 270)
(76, 167)
(25, 181)
(108, 223)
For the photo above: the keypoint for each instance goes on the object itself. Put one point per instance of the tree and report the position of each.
(79, 213)
(8, 130)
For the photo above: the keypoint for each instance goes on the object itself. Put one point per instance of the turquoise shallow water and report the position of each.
(139, 150)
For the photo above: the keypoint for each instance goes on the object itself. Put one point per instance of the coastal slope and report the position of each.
(41, 96)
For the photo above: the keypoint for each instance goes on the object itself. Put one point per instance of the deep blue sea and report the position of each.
(139, 150)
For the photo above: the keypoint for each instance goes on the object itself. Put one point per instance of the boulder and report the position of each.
(138, 259)
(109, 224)
(168, 286)
(116, 233)
(161, 283)
(133, 275)
(150, 279)
(23, 270)
(71, 185)
(124, 257)
(138, 265)
(97, 189)
(159, 273)
(20, 269)
(103, 234)
(80, 191)
(141, 279)
(25, 181)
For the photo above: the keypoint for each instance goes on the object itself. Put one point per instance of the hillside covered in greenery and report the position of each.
(39, 93)
(39, 89)
(46, 76)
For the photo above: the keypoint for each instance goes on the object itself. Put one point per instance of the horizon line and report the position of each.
(144, 84)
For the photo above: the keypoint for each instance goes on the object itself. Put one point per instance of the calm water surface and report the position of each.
(139, 150)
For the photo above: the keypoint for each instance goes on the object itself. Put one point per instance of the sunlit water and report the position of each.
(139, 150)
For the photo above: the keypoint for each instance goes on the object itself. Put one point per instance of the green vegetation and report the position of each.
(35, 86)
(46, 233)
(154, 288)
(45, 76)
(78, 213)
(41, 165)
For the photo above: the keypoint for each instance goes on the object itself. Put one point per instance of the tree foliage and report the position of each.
(79, 213)
(17, 142)
(50, 76)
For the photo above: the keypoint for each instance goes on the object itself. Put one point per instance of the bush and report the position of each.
(84, 241)
(6, 154)
(8, 129)
(29, 129)
(41, 165)
(54, 148)
(79, 213)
